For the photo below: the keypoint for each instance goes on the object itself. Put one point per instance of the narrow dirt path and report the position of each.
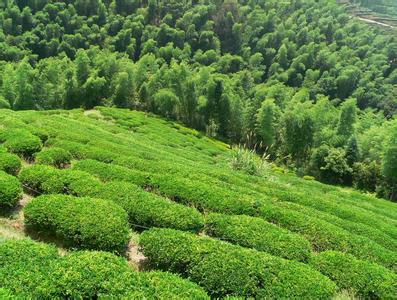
(370, 21)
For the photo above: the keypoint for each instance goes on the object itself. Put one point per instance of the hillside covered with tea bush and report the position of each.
(300, 81)
(113, 203)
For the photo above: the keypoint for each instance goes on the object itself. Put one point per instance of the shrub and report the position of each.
(148, 210)
(10, 163)
(83, 223)
(309, 178)
(40, 179)
(367, 280)
(10, 190)
(25, 267)
(91, 274)
(325, 236)
(223, 269)
(23, 143)
(257, 233)
(56, 157)
(109, 172)
(164, 285)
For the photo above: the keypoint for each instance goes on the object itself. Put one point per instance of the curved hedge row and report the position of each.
(108, 172)
(10, 190)
(143, 208)
(325, 236)
(83, 223)
(31, 270)
(258, 234)
(367, 280)
(203, 196)
(54, 156)
(21, 142)
(148, 210)
(40, 179)
(223, 269)
(10, 163)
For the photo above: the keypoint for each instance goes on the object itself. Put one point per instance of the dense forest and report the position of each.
(299, 81)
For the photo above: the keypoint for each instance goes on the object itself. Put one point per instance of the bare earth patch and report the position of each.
(136, 258)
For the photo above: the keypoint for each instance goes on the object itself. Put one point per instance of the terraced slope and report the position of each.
(107, 179)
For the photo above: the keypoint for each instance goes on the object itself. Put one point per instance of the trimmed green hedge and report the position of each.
(203, 196)
(164, 285)
(367, 280)
(10, 190)
(143, 208)
(258, 234)
(10, 163)
(325, 236)
(223, 269)
(24, 268)
(56, 157)
(149, 210)
(21, 142)
(40, 179)
(108, 172)
(32, 270)
(91, 274)
(83, 223)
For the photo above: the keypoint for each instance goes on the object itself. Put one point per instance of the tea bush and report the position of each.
(224, 269)
(149, 210)
(22, 143)
(25, 267)
(83, 223)
(10, 190)
(325, 236)
(164, 285)
(54, 156)
(109, 172)
(91, 274)
(367, 280)
(32, 270)
(257, 233)
(10, 163)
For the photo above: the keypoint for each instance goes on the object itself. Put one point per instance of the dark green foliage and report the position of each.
(253, 73)
(83, 223)
(224, 269)
(10, 190)
(367, 280)
(56, 157)
(258, 234)
(10, 163)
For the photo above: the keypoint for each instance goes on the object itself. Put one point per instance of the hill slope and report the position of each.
(282, 236)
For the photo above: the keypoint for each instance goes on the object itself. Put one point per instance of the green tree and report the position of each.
(266, 122)
(389, 165)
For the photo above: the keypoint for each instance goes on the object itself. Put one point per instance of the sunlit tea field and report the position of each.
(112, 203)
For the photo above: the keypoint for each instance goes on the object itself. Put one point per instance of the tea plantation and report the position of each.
(118, 204)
